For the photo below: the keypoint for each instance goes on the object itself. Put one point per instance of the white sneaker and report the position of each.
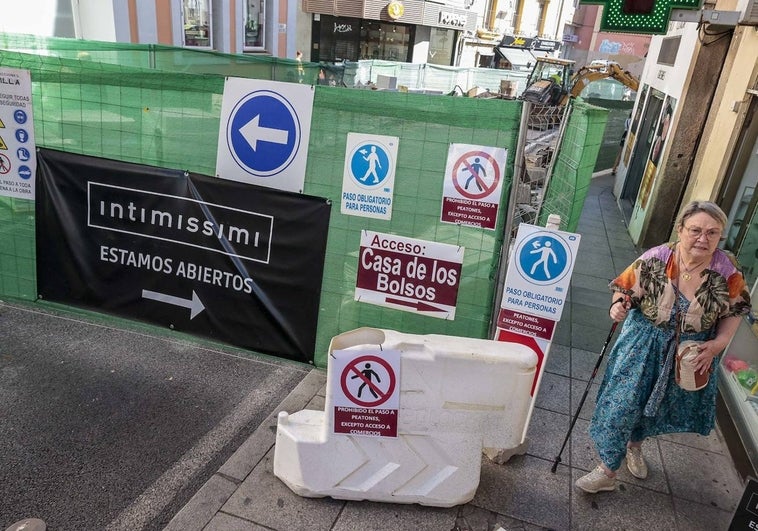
(636, 463)
(596, 481)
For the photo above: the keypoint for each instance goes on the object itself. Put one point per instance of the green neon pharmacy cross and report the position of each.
(639, 16)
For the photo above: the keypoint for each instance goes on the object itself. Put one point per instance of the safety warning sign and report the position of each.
(18, 161)
(473, 185)
(368, 179)
(539, 272)
(368, 397)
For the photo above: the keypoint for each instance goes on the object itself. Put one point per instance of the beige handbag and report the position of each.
(687, 377)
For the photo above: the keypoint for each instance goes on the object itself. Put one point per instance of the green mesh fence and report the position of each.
(573, 168)
(170, 119)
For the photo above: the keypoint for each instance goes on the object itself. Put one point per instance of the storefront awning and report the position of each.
(520, 59)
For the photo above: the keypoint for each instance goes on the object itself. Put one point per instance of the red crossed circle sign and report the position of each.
(465, 168)
(5, 164)
(353, 370)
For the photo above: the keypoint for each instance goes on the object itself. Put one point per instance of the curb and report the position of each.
(212, 496)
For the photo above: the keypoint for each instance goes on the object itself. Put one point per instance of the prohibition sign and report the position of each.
(463, 166)
(355, 370)
(5, 164)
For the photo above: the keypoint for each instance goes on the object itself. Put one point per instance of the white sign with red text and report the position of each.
(366, 395)
(408, 274)
(473, 185)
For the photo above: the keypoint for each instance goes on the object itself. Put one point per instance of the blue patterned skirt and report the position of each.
(634, 364)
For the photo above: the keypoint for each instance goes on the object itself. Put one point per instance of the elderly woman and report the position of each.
(690, 282)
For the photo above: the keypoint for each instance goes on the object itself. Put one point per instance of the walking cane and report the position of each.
(586, 391)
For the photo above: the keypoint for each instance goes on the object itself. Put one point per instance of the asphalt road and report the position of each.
(105, 428)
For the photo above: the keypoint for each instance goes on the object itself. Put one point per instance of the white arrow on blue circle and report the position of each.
(253, 132)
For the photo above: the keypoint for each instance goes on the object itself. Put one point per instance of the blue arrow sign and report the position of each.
(263, 133)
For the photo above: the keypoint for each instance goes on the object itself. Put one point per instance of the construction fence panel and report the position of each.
(171, 119)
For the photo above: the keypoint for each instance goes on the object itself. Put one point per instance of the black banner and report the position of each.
(231, 261)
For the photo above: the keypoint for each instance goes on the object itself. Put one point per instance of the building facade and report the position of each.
(584, 42)
(441, 32)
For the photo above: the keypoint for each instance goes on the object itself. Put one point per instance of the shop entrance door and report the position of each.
(645, 135)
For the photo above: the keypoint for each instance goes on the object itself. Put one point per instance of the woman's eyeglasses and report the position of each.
(696, 232)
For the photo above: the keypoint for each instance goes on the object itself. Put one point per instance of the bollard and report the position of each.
(457, 396)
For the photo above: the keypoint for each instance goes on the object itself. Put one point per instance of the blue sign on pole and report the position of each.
(263, 133)
(543, 259)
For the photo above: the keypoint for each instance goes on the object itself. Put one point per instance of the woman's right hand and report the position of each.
(620, 307)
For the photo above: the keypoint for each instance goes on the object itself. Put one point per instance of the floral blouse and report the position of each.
(649, 283)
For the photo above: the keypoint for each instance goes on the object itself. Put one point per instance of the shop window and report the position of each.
(441, 43)
(351, 39)
(255, 27)
(196, 15)
(339, 39)
(388, 42)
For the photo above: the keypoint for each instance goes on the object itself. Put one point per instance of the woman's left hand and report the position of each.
(707, 351)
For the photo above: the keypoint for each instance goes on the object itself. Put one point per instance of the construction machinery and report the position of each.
(553, 81)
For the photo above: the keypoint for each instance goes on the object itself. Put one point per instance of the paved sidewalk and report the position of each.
(692, 485)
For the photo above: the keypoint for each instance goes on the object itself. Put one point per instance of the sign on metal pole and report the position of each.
(539, 273)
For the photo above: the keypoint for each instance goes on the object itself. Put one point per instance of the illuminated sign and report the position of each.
(639, 16)
(395, 9)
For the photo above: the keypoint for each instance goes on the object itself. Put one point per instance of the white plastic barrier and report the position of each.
(457, 397)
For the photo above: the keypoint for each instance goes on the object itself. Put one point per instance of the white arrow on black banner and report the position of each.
(195, 304)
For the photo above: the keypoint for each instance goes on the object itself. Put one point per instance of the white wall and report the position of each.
(46, 18)
(95, 20)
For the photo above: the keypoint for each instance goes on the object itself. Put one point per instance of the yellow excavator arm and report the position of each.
(587, 74)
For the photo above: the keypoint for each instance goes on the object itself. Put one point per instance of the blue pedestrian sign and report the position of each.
(543, 259)
(370, 164)
(264, 133)
(539, 271)
(368, 179)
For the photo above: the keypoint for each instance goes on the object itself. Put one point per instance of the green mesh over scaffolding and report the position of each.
(171, 119)
(573, 168)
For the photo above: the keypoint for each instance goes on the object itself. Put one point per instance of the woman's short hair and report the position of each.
(695, 207)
